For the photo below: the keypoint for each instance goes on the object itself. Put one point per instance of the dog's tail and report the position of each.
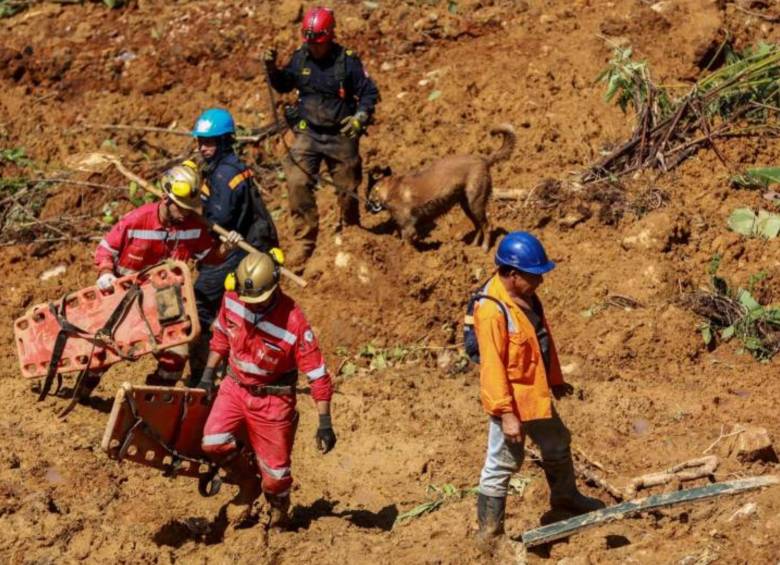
(510, 138)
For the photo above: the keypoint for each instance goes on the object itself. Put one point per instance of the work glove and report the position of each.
(269, 58)
(231, 240)
(561, 390)
(325, 438)
(106, 281)
(277, 255)
(206, 381)
(353, 126)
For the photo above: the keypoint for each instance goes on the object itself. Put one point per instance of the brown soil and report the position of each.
(649, 393)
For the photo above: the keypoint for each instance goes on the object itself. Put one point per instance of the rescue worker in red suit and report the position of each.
(336, 99)
(266, 340)
(170, 228)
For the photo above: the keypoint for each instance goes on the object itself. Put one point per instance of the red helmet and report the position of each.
(318, 24)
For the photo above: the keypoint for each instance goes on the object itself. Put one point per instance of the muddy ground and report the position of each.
(649, 394)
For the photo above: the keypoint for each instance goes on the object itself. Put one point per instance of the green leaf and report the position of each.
(767, 225)
(379, 361)
(434, 95)
(706, 334)
(348, 369)
(452, 7)
(744, 298)
(765, 176)
(727, 333)
(715, 263)
(742, 221)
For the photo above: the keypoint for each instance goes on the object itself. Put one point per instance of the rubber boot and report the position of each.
(279, 511)
(490, 515)
(563, 488)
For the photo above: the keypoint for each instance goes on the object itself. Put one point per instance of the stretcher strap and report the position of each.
(208, 483)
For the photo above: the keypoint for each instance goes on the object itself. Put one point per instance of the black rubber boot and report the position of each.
(279, 515)
(563, 488)
(490, 515)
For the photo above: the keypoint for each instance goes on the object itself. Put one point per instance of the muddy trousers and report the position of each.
(302, 166)
(270, 423)
(504, 458)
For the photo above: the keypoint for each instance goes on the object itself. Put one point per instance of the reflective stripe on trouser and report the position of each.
(270, 422)
(171, 362)
(504, 458)
(302, 166)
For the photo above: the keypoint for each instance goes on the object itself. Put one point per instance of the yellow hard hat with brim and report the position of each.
(181, 183)
(256, 278)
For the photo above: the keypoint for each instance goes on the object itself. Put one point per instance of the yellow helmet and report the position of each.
(255, 279)
(181, 184)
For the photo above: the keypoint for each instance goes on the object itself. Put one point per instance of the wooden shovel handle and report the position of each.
(249, 249)
(149, 187)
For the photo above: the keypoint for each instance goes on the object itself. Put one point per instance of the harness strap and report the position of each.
(67, 329)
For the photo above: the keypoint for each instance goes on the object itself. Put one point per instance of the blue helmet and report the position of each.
(214, 122)
(522, 251)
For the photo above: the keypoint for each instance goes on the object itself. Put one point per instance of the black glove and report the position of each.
(206, 381)
(559, 391)
(269, 59)
(325, 438)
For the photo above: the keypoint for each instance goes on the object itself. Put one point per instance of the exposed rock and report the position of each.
(745, 511)
(752, 444)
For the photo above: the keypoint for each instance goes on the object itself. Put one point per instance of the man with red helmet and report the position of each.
(266, 340)
(336, 99)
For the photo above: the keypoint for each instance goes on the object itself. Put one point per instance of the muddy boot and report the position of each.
(490, 515)
(563, 488)
(240, 512)
(279, 511)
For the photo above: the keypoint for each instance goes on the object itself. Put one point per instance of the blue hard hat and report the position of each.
(522, 251)
(214, 122)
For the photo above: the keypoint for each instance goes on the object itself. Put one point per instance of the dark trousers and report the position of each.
(301, 167)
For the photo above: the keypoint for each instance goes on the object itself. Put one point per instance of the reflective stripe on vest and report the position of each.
(239, 178)
(254, 319)
(249, 367)
(151, 235)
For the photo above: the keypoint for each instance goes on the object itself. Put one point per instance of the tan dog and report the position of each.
(429, 193)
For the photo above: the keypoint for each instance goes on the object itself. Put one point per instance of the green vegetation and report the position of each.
(757, 178)
(736, 314)
(746, 222)
(740, 98)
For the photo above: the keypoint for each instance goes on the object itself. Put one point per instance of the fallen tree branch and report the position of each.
(687, 471)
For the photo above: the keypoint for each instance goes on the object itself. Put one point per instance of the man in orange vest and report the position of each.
(519, 375)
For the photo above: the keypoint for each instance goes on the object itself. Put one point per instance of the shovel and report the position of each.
(97, 162)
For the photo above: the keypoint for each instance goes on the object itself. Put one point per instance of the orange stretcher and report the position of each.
(146, 312)
(162, 427)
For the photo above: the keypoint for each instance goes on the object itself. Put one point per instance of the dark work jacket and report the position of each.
(231, 200)
(330, 89)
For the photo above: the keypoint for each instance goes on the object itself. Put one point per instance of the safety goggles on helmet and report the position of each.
(312, 36)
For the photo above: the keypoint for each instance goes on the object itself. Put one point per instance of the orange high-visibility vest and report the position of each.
(512, 373)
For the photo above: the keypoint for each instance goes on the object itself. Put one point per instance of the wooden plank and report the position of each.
(565, 528)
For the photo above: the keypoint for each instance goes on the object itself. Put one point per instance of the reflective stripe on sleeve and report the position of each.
(202, 255)
(317, 373)
(104, 244)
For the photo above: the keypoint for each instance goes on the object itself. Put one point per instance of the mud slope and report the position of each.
(650, 394)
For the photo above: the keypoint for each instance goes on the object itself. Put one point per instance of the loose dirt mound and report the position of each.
(649, 393)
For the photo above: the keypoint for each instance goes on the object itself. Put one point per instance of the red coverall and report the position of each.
(261, 349)
(139, 240)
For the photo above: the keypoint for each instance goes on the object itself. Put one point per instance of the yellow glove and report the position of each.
(277, 255)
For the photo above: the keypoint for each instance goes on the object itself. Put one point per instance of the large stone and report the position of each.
(752, 444)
